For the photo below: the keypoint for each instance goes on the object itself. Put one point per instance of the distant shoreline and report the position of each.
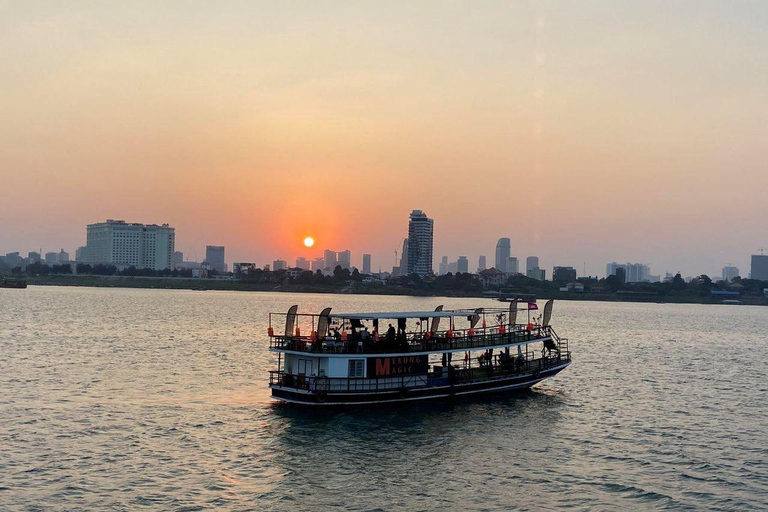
(172, 283)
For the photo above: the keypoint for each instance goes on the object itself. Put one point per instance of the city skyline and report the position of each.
(224, 135)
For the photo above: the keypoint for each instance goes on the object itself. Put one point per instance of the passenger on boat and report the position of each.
(391, 334)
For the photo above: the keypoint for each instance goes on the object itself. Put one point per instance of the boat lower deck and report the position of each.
(455, 382)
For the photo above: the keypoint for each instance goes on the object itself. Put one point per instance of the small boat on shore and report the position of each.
(362, 358)
(12, 283)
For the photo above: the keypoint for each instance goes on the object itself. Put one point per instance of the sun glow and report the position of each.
(309, 241)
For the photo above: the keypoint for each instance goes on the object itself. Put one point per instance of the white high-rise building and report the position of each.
(503, 250)
(117, 242)
(633, 272)
(420, 242)
(730, 273)
(366, 263)
(481, 264)
(279, 265)
(442, 268)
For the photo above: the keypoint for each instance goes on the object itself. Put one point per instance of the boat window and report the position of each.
(356, 368)
(305, 366)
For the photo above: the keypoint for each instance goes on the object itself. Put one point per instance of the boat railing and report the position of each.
(444, 376)
(414, 341)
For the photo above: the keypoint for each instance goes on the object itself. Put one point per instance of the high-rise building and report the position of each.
(330, 259)
(730, 273)
(481, 264)
(177, 260)
(302, 263)
(503, 250)
(537, 273)
(366, 263)
(63, 256)
(567, 274)
(531, 262)
(442, 269)
(759, 267)
(33, 257)
(318, 264)
(453, 267)
(117, 242)
(462, 265)
(80, 253)
(51, 258)
(14, 259)
(513, 266)
(214, 255)
(345, 259)
(279, 265)
(633, 272)
(420, 242)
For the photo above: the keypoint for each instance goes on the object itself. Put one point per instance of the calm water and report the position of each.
(117, 399)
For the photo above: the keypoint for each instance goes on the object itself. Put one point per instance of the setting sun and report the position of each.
(309, 241)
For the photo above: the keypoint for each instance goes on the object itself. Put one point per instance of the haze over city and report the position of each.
(586, 133)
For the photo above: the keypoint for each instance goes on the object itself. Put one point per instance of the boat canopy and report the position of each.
(401, 314)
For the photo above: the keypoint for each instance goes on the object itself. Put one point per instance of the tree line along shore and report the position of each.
(700, 290)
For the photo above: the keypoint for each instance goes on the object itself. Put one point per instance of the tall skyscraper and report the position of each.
(330, 259)
(759, 267)
(345, 259)
(279, 265)
(33, 257)
(420, 242)
(462, 265)
(442, 269)
(318, 264)
(730, 273)
(117, 242)
(531, 262)
(51, 258)
(503, 250)
(480, 264)
(214, 256)
(366, 263)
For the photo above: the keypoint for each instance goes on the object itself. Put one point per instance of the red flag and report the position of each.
(533, 306)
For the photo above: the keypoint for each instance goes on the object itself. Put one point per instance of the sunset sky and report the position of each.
(587, 132)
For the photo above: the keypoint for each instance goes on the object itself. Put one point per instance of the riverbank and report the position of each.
(173, 283)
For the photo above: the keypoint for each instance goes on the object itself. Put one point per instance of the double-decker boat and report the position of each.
(12, 283)
(365, 358)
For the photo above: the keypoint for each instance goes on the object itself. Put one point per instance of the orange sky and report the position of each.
(585, 132)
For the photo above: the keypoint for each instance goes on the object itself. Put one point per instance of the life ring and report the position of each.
(322, 396)
(404, 393)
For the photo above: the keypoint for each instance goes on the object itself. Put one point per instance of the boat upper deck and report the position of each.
(350, 334)
(444, 341)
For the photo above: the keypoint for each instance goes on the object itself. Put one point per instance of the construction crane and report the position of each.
(396, 249)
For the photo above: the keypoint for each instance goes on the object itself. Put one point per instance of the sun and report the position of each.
(309, 241)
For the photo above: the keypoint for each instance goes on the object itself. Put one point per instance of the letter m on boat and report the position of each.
(382, 366)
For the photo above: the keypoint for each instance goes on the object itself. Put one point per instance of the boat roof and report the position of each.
(401, 314)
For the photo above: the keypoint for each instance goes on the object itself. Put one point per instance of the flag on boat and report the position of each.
(533, 306)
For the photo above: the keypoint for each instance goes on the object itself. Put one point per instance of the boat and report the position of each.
(385, 357)
(12, 283)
